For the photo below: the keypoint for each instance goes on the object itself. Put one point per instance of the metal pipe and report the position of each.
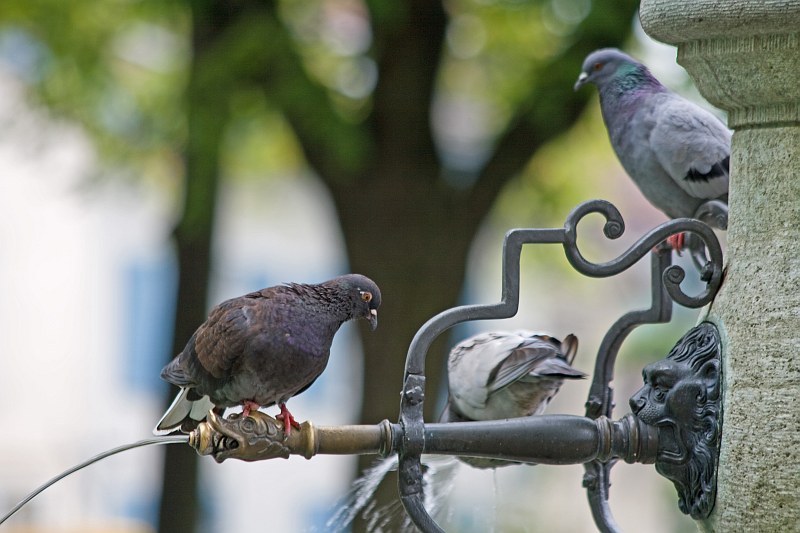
(555, 440)
(548, 439)
(259, 436)
(360, 440)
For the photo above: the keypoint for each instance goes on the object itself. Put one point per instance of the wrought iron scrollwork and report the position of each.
(666, 287)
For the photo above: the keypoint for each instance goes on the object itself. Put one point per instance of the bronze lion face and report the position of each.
(681, 397)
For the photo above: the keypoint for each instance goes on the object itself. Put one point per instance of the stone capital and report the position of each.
(743, 55)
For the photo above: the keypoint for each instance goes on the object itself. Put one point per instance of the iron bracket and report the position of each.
(666, 279)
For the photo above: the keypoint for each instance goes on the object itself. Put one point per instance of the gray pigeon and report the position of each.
(676, 152)
(262, 348)
(507, 375)
(501, 375)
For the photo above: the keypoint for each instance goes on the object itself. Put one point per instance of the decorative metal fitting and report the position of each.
(681, 397)
(259, 436)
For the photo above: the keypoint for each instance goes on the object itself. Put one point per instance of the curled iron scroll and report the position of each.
(666, 284)
(672, 276)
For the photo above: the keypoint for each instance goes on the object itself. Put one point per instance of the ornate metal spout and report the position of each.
(259, 436)
(675, 424)
(555, 440)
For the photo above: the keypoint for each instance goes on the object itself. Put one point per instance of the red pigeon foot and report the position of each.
(677, 242)
(248, 406)
(287, 419)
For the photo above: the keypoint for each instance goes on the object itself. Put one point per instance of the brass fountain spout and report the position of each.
(259, 436)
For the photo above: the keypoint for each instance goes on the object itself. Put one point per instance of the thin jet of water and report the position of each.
(495, 499)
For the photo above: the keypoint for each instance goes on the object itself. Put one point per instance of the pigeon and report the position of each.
(262, 348)
(676, 152)
(508, 374)
(502, 375)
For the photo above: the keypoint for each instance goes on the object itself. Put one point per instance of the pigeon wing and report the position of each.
(473, 362)
(535, 357)
(222, 339)
(693, 146)
(554, 368)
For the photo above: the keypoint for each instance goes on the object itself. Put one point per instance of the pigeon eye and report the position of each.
(598, 66)
(366, 296)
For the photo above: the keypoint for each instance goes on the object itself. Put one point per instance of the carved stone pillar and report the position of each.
(744, 56)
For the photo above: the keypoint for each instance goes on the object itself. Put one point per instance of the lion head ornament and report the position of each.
(681, 397)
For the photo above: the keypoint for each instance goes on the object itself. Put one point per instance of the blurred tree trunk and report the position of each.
(206, 113)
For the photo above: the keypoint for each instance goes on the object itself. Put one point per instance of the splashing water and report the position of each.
(437, 479)
(360, 494)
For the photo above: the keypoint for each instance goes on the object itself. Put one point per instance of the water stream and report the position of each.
(439, 473)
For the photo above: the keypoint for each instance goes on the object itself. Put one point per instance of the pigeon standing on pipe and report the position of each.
(676, 152)
(262, 348)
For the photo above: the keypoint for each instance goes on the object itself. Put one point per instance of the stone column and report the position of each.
(744, 56)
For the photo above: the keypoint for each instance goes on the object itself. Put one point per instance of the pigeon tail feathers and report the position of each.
(719, 169)
(569, 347)
(555, 367)
(175, 373)
(181, 409)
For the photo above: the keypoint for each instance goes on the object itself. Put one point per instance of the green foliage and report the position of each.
(120, 69)
(259, 143)
(117, 68)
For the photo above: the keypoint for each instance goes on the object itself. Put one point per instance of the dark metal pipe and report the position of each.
(553, 440)
(550, 439)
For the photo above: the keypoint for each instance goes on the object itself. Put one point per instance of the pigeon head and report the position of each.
(606, 64)
(364, 294)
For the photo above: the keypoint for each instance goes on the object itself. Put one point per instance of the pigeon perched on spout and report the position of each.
(676, 152)
(262, 348)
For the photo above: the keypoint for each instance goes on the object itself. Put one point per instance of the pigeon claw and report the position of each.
(288, 420)
(677, 242)
(249, 406)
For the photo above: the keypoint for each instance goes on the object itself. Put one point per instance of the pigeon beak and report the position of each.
(581, 81)
(373, 318)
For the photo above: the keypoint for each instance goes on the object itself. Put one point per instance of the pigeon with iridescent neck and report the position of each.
(676, 152)
(262, 348)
